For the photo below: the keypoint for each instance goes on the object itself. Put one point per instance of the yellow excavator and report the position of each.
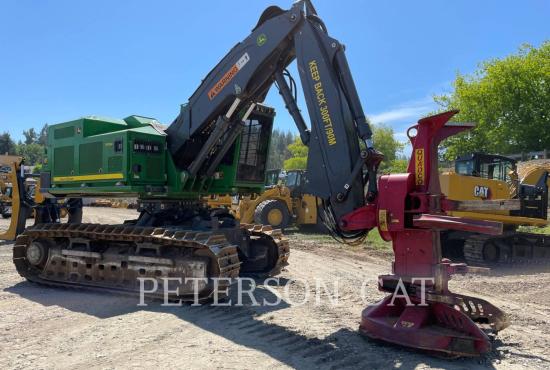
(481, 176)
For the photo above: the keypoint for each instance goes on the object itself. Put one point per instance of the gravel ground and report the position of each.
(58, 328)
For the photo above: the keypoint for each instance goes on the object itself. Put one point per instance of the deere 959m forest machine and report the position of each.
(218, 144)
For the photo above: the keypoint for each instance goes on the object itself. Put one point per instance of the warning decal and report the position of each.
(228, 76)
(419, 167)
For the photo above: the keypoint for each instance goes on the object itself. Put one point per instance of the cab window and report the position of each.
(496, 170)
(292, 179)
(272, 178)
(465, 168)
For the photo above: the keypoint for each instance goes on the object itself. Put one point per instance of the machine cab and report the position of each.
(295, 182)
(486, 166)
(274, 178)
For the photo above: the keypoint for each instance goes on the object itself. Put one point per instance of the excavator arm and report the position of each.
(212, 119)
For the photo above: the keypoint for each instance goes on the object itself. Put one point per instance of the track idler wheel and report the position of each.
(491, 253)
(37, 253)
(267, 252)
(262, 257)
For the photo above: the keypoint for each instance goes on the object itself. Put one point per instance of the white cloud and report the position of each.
(401, 135)
(412, 110)
(402, 116)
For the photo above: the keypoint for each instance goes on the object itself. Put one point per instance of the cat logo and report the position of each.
(481, 191)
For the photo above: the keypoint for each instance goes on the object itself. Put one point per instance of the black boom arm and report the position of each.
(211, 120)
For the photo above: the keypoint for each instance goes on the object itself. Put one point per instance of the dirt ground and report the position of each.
(57, 328)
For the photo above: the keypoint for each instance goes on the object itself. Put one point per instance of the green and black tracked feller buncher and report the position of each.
(175, 235)
(218, 144)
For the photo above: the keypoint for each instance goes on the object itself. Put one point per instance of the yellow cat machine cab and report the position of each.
(492, 177)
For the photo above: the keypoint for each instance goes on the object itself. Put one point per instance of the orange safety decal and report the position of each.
(228, 76)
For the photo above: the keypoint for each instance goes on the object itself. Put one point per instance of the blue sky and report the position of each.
(60, 60)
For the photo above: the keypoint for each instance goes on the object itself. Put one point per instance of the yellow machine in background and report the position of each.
(531, 171)
(13, 180)
(20, 198)
(282, 204)
(492, 177)
(5, 192)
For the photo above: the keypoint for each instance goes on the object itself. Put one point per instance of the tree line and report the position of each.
(279, 150)
(509, 101)
(32, 148)
(286, 150)
(385, 141)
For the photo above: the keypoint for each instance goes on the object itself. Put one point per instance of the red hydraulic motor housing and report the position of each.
(410, 211)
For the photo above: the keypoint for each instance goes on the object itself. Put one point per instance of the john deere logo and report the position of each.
(262, 39)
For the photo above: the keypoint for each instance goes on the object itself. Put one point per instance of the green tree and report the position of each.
(33, 153)
(278, 151)
(37, 168)
(508, 99)
(30, 136)
(298, 159)
(7, 145)
(385, 142)
(43, 135)
(398, 166)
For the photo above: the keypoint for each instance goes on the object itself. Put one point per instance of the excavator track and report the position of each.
(508, 250)
(115, 257)
(276, 236)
